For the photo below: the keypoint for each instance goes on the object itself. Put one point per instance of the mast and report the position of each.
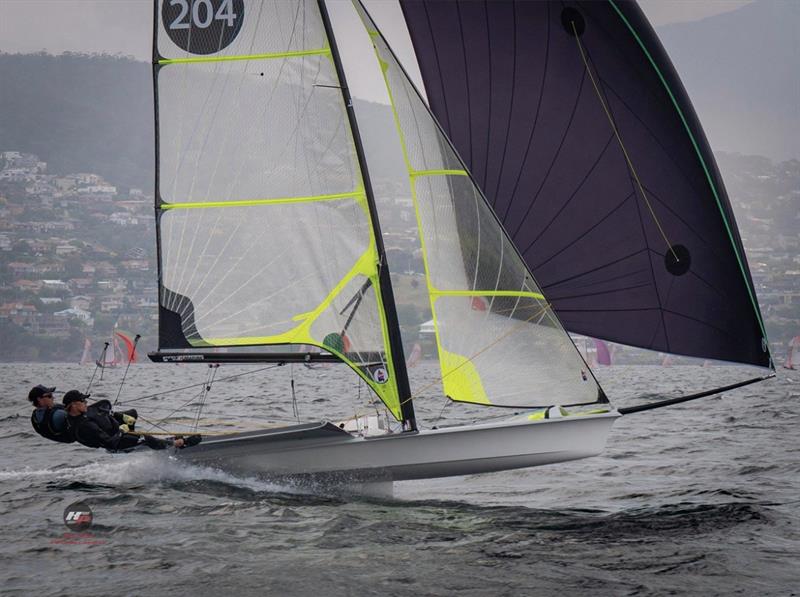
(156, 167)
(387, 295)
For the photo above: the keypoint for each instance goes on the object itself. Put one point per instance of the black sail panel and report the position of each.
(577, 128)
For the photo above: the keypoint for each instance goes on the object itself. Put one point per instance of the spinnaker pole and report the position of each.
(398, 361)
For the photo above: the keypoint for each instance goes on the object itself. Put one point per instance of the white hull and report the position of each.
(322, 451)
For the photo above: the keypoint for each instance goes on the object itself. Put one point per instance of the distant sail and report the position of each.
(130, 355)
(603, 353)
(415, 356)
(86, 357)
(116, 353)
(578, 130)
(793, 354)
(108, 358)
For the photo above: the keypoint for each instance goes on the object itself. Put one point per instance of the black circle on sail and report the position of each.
(202, 26)
(677, 260)
(573, 21)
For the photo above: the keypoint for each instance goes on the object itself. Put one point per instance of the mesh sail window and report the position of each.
(264, 226)
(498, 340)
(628, 228)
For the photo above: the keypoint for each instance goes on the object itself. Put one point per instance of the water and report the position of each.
(697, 498)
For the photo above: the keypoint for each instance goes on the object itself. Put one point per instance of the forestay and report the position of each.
(498, 339)
(264, 226)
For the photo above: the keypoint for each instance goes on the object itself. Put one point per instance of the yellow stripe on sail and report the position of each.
(248, 202)
(301, 334)
(415, 173)
(290, 54)
(460, 378)
(519, 293)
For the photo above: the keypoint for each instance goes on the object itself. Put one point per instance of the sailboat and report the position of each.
(269, 241)
(87, 351)
(109, 358)
(117, 355)
(793, 354)
(587, 348)
(128, 354)
(603, 353)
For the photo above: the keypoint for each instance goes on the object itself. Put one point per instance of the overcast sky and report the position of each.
(124, 27)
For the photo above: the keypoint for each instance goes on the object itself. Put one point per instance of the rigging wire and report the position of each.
(102, 359)
(196, 385)
(619, 140)
(441, 412)
(295, 410)
(184, 405)
(212, 373)
(128, 366)
(621, 144)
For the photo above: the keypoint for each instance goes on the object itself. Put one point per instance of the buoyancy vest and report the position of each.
(52, 423)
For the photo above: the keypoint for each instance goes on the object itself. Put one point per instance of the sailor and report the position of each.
(96, 426)
(48, 418)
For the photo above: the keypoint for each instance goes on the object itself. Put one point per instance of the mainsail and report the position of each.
(498, 340)
(265, 226)
(579, 132)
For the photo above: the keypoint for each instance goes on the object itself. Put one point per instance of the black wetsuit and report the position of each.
(99, 428)
(52, 423)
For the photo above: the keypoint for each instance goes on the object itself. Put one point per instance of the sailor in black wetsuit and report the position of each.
(49, 419)
(96, 426)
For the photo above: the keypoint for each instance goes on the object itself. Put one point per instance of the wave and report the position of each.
(126, 470)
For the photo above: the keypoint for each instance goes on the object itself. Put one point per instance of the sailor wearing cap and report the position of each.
(48, 418)
(96, 426)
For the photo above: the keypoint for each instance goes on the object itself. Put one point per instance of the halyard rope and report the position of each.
(619, 140)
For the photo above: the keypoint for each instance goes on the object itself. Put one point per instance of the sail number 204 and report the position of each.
(202, 26)
(201, 14)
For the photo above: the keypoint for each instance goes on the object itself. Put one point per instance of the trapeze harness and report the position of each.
(99, 427)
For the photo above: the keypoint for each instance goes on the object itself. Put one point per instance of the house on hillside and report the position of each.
(75, 313)
(80, 301)
(17, 313)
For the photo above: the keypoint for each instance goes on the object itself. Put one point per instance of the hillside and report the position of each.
(80, 113)
(94, 113)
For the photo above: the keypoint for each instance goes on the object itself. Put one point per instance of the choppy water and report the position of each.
(698, 498)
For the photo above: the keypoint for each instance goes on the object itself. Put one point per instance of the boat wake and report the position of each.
(135, 470)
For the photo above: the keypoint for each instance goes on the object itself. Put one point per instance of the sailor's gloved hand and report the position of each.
(124, 429)
(129, 420)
